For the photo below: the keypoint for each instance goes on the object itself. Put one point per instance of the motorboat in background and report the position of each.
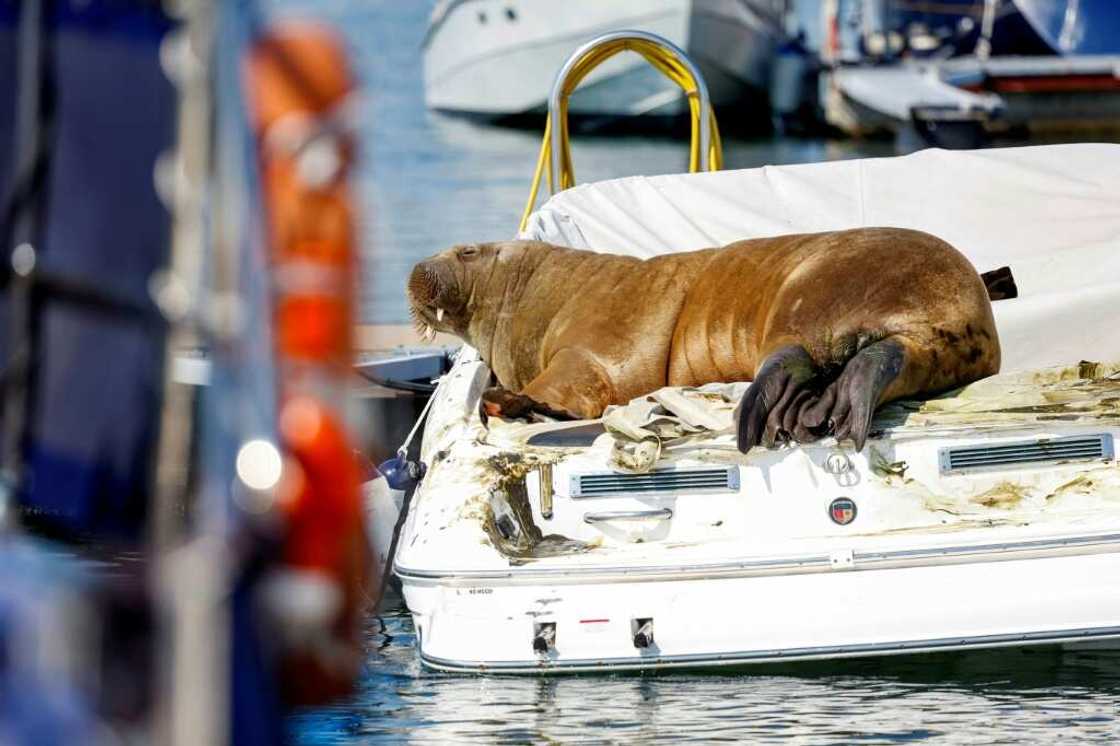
(1072, 26)
(957, 73)
(1014, 27)
(496, 59)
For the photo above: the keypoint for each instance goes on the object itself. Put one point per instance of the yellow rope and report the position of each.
(665, 62)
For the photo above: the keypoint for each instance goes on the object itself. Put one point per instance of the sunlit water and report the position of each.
(427, 181)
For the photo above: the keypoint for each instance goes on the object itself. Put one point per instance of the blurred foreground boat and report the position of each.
(208, 570)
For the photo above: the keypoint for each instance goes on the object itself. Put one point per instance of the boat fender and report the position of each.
(402, 473)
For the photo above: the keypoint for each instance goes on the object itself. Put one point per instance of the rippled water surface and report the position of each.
(426, 182)
(1038, 696)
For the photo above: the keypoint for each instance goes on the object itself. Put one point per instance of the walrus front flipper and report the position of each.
(500, 402)
(573, 382)
(573, 386)
(849, 402)
(778, 386)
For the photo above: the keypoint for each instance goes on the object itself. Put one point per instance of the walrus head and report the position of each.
(442, 288)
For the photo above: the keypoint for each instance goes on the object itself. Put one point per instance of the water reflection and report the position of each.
(1011, 696)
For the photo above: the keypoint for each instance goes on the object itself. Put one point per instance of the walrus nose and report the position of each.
(423, 282)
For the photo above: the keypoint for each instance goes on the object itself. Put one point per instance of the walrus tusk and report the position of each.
(429, 334)
(439, 314)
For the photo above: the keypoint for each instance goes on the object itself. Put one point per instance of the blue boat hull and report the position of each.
(1074, 26)
(1022, 27)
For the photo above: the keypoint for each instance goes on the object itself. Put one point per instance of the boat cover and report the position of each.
(1050, 212)
(1084, 393)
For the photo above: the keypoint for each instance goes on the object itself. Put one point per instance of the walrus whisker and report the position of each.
(422, 283)
(418, 323)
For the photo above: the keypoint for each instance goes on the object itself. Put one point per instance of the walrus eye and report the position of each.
(468, 252)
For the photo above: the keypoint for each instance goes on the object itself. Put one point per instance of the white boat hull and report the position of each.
(503, 66)
(721, 621)
(890, 98)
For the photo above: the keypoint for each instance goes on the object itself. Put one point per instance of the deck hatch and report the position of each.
(667, 480)
(1026, 453)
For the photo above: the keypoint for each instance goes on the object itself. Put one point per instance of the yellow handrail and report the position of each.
(667, 59)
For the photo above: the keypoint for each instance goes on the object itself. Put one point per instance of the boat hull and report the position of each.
(945, 555)
(1020, 27)
(1072, 27)
(502, 68)
(998, 95)
(466, 624)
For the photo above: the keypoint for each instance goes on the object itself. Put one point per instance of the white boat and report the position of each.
(497, 58)
(985, 518)
(956, 73)
(970, 99)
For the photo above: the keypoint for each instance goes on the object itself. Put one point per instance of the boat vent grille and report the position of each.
(674, 480)
(1026, 453)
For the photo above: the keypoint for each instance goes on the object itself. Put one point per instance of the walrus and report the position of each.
(828, 326)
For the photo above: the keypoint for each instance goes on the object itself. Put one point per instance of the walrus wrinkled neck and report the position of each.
(488, 300)
(495, 306)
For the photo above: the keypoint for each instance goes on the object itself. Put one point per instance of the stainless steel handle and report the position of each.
(557, 91)
(611, 515)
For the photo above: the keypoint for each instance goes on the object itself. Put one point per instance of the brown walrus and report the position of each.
(827, 325)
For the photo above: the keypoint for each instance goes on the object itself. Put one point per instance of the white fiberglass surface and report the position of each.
(780, 505)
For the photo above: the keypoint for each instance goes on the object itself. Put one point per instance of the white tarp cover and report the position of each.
(1071, 395)
(1051, 213)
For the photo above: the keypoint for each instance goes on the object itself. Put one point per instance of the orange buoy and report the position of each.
(298, 86)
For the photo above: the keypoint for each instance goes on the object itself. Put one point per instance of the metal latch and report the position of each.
(642, 631)
(544, 637)
(546, 491)
(843, 559)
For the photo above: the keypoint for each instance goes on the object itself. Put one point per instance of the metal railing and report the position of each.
(705, 150)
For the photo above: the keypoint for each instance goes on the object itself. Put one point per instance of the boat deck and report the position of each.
(774, 514)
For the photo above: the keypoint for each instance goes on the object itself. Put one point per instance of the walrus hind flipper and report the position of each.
(847, 404)
(785, 398)
(781, 380)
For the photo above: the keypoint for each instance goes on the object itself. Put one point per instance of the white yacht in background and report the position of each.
(497, 59)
